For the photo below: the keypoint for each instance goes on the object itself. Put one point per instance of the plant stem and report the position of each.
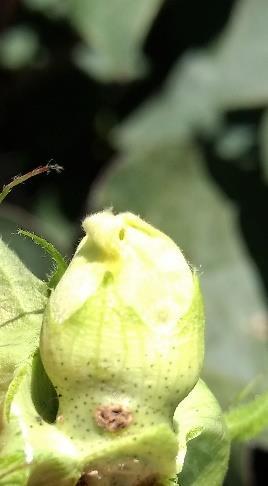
(20, 179)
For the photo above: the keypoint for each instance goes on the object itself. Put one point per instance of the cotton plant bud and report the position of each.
(122, 342)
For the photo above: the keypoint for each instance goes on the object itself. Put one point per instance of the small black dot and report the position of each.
(60, 395)
(65, 378)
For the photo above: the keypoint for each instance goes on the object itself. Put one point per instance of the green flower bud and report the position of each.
(122, 342)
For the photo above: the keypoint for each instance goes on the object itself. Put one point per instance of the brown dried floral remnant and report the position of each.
(113, 417)
(85, 479)
(149, 481)
(82, 481)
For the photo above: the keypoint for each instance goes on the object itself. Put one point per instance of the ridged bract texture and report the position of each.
(122, 342)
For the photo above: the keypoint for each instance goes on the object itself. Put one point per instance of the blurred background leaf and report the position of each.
(53, 8)
(241, 57)
(18, 47)
(206, 83)
(111, 32)
(22, 301)
(33, 257)
(190, 209)
(159, 107)
(264, 143)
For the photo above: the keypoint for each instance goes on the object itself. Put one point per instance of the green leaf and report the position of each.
(241, 57)
(33, 451)
(18, 47)
(13, 469)
(205, 83)
(235, 142)
(22, 301)
(113, 33)
(184, 105)
(51, 8)
(204, 444)
(171, 189)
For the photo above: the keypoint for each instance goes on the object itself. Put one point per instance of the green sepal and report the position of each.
(203, 439)
(22, 301)
(58, 259)
(32, 451)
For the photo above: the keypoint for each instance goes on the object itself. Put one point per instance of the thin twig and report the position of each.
(44, 169)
